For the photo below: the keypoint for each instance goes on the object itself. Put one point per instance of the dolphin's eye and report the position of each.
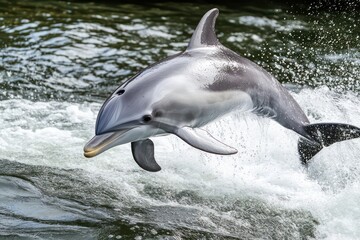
(146, 118)
(120, 92)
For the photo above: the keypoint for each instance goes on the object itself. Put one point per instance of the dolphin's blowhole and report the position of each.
(120, 92)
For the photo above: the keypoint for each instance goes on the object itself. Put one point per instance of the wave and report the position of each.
(261, 190)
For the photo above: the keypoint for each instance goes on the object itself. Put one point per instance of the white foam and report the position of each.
(279, 25)
(266, 167)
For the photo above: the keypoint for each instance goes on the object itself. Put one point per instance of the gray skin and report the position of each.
(184, 92)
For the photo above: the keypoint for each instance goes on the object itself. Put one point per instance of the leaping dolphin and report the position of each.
(184, 92)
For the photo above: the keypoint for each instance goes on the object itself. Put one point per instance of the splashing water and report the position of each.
(59, 64)
(265, 174)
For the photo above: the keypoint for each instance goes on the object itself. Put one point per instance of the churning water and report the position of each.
(60, 60)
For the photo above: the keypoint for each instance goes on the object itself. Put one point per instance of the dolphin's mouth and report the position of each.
(101, 143)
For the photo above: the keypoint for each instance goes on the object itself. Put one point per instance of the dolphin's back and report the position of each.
(269, 97)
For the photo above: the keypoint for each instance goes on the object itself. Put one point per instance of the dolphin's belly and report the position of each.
(216, 104)
(237, 83)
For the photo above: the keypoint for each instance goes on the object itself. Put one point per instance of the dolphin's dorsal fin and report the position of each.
(204, 34)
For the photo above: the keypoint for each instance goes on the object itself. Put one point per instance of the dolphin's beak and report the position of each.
(101, 143)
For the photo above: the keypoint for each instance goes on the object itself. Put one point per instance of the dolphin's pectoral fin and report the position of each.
(143, 153)
(202, 140)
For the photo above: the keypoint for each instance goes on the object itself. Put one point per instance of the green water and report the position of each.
(60, 60)
(70, 50)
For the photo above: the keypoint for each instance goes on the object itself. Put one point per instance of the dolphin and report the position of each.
(182, 93)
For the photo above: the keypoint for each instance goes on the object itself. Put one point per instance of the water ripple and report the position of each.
(66, 50)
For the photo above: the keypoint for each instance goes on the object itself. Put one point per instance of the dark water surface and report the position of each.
(60, 60)
(68, 50)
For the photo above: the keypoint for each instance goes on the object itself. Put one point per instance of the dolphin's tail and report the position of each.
(323, 135)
